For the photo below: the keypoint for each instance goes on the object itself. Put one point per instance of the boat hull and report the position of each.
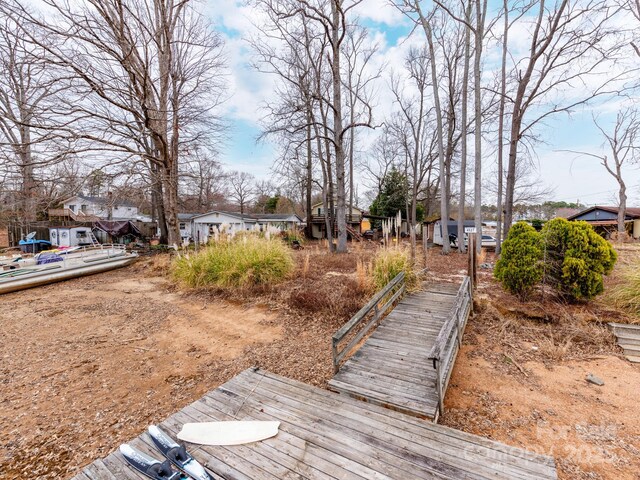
(52, 273)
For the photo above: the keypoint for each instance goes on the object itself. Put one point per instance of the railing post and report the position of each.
(439, 387)
(334, 351)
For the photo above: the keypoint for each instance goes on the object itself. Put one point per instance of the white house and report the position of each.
(105, 208)
(201, 227)
(185, 224)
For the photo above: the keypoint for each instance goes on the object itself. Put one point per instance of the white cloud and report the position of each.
(380, 11)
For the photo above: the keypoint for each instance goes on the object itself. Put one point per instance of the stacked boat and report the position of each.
(54, 266)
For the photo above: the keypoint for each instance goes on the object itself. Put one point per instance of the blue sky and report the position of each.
(570, 176)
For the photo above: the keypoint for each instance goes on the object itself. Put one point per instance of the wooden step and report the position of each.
(629, 339)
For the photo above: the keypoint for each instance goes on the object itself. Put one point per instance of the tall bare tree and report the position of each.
(242, 189)
(570, 44)
(315, 33)
(146, 74)
(623, 142)
(409, 128)
(29, 91)
(413, 9)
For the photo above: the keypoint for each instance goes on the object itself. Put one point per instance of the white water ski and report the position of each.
(228, 433)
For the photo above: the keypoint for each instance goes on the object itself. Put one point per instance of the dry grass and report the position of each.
(623, 290)
(364, 275)
(543, 329)
(388, 263)
(245, 261)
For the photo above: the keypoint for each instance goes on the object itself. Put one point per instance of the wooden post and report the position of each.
(439, 388)
(471, 253)
(424, 244)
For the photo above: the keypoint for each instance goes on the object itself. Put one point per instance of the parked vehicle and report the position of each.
(488, 241)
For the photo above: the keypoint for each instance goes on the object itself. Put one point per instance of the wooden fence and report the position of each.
(444, 350)
(17, 231)
(395, 288)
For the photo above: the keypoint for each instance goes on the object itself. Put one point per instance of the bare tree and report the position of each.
(202, 181)
(409, 128)
(413, 9)
(315, 33)
(623, 142)
(29, 91)
(569, 46)
(146, 74)
(241, 189)
(464, 129)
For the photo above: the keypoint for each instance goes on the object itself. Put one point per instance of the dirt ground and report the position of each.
(90, 363)
(520, 378)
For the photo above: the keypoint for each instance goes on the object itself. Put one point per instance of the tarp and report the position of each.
(118, 228)
(45, 258)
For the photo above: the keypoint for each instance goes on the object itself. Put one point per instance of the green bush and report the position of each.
(388, 263)
(244, 261)
(520, 267)
(576, 258)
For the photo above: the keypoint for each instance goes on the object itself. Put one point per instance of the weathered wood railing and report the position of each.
(397, 286)
(446, 346)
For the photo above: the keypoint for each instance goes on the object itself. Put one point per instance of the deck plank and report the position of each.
(325, 436)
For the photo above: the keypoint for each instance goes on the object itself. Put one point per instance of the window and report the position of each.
(72, 208)
(183, 226)
(83, 208)
(319, 210)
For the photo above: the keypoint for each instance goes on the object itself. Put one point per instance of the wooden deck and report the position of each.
(393, 367)
(324, 435)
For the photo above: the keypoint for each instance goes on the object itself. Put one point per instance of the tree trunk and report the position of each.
(341, 219)
(480, 13)
(309, 182)
(463, 132)
(157, 200)
(622, 209)
(503, 88)
(511, 171)
(28, 181)
(444, 204)
(170, 190)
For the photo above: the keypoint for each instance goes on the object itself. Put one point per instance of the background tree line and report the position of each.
(124, 96)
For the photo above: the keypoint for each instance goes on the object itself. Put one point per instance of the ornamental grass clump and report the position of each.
(388, 263)
(626, 293)
(246, 261)
(520, 265)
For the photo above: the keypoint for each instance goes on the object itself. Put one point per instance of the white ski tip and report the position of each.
(125, 449)
(228, 433)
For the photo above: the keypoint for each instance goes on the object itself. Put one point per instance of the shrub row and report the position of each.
(568, 256)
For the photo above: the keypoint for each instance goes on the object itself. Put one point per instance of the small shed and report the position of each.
(70, 236)
(604, 219)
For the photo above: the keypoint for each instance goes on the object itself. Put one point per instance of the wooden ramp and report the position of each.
(328, 436)
(406, 362)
